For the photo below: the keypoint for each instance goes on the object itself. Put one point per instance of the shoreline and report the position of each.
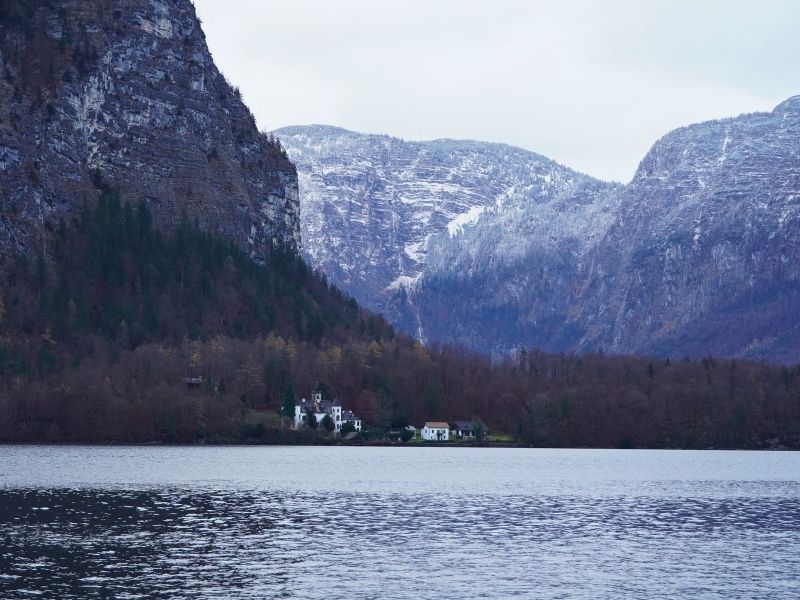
(374, 444)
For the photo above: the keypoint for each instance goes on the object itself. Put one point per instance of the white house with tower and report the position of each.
(320, 407)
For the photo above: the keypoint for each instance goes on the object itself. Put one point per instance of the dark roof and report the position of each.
(463, 425)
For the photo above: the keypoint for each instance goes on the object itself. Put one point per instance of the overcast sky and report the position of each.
(591, 84)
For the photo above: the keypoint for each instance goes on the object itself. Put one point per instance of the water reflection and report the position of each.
(159, 543)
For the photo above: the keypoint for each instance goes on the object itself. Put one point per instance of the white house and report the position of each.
(436, 431)
(319, 408)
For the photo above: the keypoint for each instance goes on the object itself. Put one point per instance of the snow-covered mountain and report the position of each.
(704, 256)
(373, 206)
(496, 247)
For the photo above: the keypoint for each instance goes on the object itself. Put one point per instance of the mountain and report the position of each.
(714, 268)
(151, 289)
(380, 213)
(124, 95)
(697, 255)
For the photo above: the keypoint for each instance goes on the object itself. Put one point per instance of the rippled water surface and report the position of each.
(290, 522)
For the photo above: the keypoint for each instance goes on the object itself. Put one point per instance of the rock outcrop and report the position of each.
(124, 95)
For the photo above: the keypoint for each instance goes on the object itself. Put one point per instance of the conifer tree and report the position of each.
(287, 407)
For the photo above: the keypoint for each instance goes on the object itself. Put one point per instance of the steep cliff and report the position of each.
(704, 255)
(381, 214)
(698, 255)
(124, 95)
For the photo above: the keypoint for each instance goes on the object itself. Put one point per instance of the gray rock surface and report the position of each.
(704, 256)
(381, 214)
(495, 247)
(125, 95)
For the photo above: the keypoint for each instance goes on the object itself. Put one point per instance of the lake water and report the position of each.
(343, 522)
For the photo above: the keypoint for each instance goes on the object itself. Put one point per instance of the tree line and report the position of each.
(100, 328)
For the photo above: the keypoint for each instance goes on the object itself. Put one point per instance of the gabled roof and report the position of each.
(463, 425)
(437, 425)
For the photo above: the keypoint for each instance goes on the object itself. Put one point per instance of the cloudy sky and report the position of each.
(591, 84)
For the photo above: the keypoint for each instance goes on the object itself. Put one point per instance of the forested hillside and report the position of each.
(100, 329)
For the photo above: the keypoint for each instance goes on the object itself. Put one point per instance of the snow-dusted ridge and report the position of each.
(375, 205)
(495, 247)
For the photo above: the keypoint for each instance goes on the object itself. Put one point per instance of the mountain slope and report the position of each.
(378, 212)
(714, 211)
(697, 255)
(96, 94)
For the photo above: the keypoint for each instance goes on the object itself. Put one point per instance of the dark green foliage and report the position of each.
(287, 406)
(478, 429)
(311, 419)
(254, 431)
(112, 266)
(327, 424)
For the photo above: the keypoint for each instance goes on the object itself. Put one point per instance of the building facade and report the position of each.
(469, 430)
(320, 408)
(436, 431)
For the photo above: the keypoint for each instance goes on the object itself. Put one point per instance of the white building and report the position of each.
(320, 408)
(436, 431)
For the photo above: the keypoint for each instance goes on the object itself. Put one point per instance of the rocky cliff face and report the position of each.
(101, 94)
(699, 254)
(704, 255)
(380, 214)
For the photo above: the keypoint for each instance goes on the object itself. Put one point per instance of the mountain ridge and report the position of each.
(603, 266)
(289, 130)
(381, 227)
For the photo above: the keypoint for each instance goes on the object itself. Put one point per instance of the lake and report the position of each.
(386, 522)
